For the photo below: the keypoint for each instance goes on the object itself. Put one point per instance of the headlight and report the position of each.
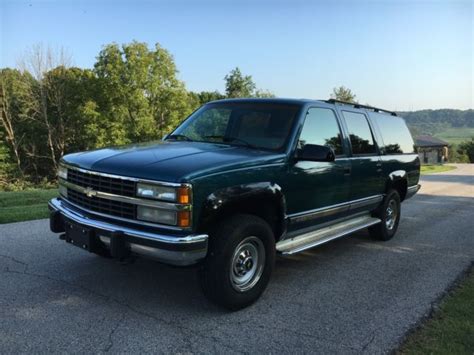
(165, 193)
(156, 192)
(62, 172)
(156, 215)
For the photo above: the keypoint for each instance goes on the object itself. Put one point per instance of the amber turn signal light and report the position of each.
(184, 195)
(184, 218)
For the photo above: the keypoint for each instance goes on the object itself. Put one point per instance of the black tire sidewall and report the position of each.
(389, 233)
(215, 272)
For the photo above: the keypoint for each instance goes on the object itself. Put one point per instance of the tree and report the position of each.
(344, 94)
(264, 93)
(17, 107)
(39, 60)
(142, 96)
(238, 85)
(467, 148)
(8, 83)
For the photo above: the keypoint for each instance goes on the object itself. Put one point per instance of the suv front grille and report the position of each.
(109, 207)
(102, 183)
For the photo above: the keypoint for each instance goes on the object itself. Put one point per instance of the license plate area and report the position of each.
(80, 236)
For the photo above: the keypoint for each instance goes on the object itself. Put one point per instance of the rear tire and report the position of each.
(389, 212)
(240, 261)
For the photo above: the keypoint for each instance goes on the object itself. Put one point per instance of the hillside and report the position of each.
(453, 126)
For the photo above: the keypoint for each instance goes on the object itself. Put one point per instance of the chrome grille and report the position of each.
(102, 183)
(109, 207)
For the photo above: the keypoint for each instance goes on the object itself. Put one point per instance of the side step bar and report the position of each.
(324, 235)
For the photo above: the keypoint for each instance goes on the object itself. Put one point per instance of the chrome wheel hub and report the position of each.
(247, 264)
(391, 215)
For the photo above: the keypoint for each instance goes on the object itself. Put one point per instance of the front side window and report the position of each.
(359, 132)
(321, 128)
(260, 125)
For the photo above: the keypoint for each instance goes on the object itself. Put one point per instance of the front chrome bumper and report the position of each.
(175, 250)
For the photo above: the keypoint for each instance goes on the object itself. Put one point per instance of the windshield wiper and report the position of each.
(178, 136)
(232, 139)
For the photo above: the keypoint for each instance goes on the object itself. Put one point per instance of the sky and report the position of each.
(399, 55)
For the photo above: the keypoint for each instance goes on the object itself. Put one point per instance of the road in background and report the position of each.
(353, 295)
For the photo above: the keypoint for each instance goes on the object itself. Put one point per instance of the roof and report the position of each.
(269, 100)
(285, 101)
(429, 141)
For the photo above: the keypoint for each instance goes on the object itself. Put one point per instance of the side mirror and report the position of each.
(313, 152)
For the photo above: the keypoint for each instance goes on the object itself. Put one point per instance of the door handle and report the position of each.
(379, 167)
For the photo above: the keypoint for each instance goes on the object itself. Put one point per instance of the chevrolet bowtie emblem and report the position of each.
(90, 192)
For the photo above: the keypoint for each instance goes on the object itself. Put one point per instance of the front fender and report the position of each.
(264, 199)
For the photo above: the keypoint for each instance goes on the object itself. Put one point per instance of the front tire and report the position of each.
(389, 212)
(240, 262)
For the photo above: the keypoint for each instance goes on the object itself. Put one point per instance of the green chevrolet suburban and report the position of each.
(238, 182)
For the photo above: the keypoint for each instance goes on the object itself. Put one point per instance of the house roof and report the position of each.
(429, 141)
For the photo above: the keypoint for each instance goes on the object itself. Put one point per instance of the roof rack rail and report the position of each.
(356, 105)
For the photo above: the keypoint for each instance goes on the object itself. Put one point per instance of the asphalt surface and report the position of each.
(353, 295)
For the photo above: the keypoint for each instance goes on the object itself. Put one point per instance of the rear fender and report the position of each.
(398, 180)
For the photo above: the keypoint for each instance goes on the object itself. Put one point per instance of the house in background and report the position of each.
(431, 150)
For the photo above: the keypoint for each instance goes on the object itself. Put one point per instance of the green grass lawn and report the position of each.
(456, 135)
(430, 169)
(451, 329)
(25, 205)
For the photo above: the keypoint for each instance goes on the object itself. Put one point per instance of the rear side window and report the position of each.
(360, 134)
(395, 134)
(321, 128)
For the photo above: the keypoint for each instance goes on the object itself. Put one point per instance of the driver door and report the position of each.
(318, 191)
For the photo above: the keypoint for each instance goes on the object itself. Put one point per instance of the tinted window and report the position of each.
(212, 122)
(359, 132)
(321, 128)
(395, 134)
(256, 125)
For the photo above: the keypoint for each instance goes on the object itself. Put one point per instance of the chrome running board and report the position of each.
(324, 235)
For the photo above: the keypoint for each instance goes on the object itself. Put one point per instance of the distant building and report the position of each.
(431, 150)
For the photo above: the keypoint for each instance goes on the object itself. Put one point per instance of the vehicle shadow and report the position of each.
(149, 287)
(463, 179)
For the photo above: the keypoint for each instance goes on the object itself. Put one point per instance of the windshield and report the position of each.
(255, 125)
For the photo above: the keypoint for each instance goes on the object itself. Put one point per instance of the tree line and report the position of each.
(132, 94)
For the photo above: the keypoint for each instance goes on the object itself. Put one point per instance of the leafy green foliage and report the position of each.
(467, 148)
(141, 94)
(200, 98)
(344, 94)
(238, 85)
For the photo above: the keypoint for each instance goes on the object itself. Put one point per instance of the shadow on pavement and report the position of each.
(463, 179)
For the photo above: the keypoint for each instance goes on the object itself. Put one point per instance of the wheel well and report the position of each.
(269, 211)
(400, 186)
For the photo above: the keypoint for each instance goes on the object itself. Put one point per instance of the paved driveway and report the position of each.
(351, 296)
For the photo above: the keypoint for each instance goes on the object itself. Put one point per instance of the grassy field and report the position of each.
(25, 205)
(456, 135)
(430, 169)
(451, 329)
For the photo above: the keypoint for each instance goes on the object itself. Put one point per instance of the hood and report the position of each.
(171, 161)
